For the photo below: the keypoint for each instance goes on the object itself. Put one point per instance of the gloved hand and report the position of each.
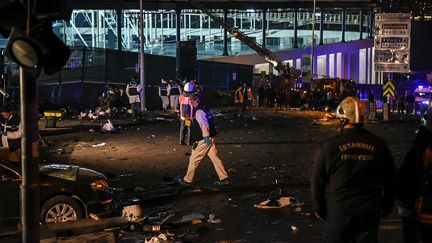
(208, 141)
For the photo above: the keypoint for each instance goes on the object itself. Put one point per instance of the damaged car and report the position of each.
(67, 193)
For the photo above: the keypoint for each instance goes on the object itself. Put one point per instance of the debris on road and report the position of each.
(213, 220)
(189, 218)
(108, 127)
(278, 203)
(99, 145)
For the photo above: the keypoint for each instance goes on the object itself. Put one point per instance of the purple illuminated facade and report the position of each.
(349, 60)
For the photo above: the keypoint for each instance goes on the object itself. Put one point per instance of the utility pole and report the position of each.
(313, 41)
(141, 57)
(29, 190)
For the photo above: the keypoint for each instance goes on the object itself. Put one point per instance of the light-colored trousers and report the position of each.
(198, 154)
(165, 102)
(174, 100)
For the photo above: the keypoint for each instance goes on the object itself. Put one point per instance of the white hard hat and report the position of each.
(189, 87)
(351, 109)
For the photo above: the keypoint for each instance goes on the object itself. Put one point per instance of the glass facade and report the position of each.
(102, 28)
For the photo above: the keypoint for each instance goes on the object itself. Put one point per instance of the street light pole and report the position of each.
(313, 40)
(141, 57)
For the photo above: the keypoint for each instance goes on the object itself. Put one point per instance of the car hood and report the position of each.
(68, 172)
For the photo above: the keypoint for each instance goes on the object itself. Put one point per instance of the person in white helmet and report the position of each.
(163, 93)
(353, 179)
(186, 114)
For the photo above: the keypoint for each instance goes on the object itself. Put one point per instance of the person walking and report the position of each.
(204, 144)
(186, 114)
(163, 93)
(414, 188)
(11, 132)
(133, 90)
(353, 179)
(174, 91)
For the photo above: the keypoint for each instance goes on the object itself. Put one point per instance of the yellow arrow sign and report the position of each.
(389, 92)
(389, 89)
(388, 85)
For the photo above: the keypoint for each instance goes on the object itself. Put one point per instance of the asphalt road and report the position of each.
(264, 155)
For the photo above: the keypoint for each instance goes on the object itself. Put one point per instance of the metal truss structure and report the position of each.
(102, 28)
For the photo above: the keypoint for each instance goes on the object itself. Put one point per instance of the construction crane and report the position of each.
(280, 65)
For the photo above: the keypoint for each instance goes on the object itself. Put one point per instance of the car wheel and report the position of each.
(60, 209)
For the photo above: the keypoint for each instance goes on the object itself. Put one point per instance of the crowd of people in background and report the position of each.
(245, 97)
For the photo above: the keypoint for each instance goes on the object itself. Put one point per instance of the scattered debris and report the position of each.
(294, 229)
(133, 213)
(213, 220)
(108, 127)
(99, 145)
(189, 218)
(276, 203)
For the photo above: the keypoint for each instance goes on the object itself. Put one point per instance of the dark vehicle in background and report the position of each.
(67, 193)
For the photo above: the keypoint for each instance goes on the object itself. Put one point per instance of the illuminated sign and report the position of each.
(392, 42)
(392, 29)
(397, 43)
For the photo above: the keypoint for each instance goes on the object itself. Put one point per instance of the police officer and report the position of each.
(133, 90)
(10, 134)
(204, 144)
(352, 181)
(163, 93)
(174, 91)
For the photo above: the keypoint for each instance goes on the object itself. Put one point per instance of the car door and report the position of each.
(10, 182)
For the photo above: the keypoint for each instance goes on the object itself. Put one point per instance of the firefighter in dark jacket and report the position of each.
(353, 178)
(204, 144)
(414, 187)
(10, 134)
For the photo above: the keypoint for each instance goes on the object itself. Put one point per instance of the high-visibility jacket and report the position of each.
(186, 108)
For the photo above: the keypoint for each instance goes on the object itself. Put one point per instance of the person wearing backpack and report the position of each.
(414, 184)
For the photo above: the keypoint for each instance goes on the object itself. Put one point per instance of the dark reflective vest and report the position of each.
(196, 130)
(133, 88)
(174, 89)
(163, 90)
